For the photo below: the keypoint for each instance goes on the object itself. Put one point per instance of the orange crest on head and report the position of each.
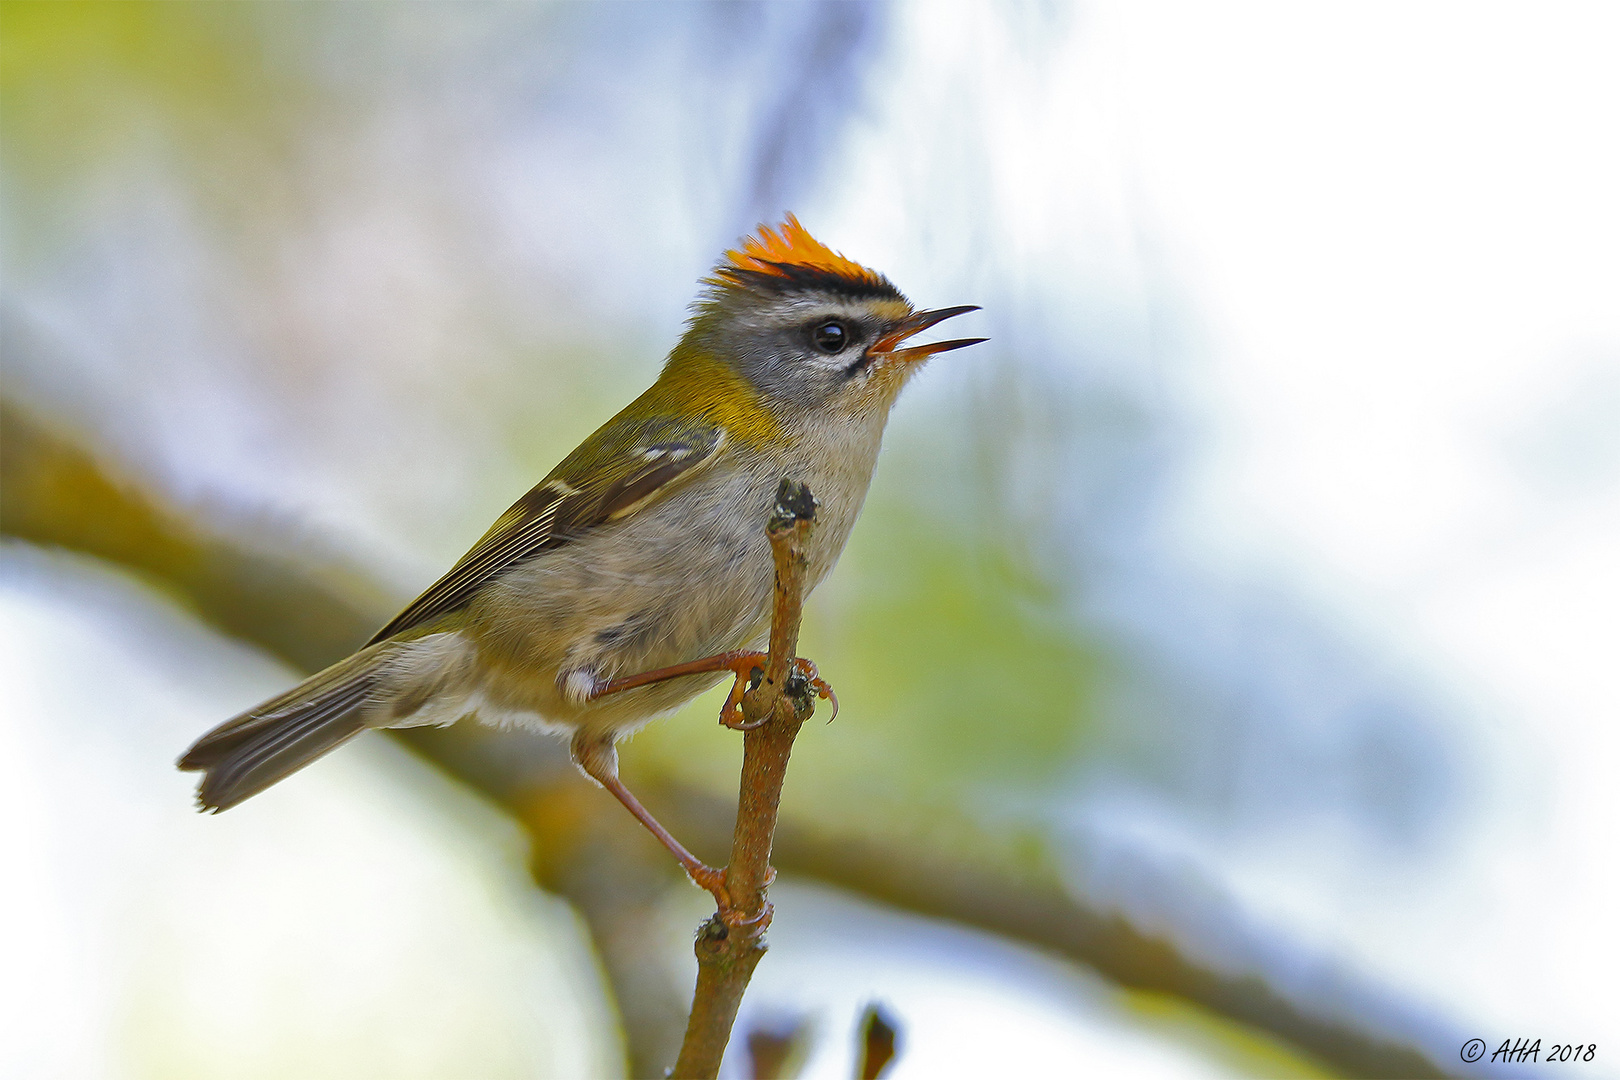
(789, 251)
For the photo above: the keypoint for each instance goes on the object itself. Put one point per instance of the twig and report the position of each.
(728, 951)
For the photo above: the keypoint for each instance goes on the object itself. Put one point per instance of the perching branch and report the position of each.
(774, 709)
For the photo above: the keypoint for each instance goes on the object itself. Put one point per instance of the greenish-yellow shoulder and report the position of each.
(695, 384)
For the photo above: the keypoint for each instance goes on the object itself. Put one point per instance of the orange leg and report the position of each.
(600, 761)
(743, 665)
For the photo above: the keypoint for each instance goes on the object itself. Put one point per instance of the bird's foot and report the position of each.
(713, 880)
(802, 681)
(748, 667)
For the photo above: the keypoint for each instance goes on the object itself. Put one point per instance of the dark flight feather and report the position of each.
(248, 753)
(618, 468)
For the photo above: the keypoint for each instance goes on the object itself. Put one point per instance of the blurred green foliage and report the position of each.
(88, 83)
(965, 668)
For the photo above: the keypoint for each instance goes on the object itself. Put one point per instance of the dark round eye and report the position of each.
(830, 336)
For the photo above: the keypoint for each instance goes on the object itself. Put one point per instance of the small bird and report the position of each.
(643, 557)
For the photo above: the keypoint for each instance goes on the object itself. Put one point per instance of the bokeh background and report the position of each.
(1227, 652)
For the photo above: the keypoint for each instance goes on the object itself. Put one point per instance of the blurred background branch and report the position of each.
(55, 491)
(879, 1034)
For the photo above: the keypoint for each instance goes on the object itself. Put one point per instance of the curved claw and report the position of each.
(731, 712)
(730, 916)
(825, 692)
(743, 725)
(819, 686)
(743, 666)
(713, 880)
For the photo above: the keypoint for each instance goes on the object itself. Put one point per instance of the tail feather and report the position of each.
(248, 753)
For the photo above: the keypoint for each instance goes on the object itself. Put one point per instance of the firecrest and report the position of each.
(645, 550)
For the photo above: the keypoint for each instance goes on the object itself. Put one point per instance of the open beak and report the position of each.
(885, 347)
